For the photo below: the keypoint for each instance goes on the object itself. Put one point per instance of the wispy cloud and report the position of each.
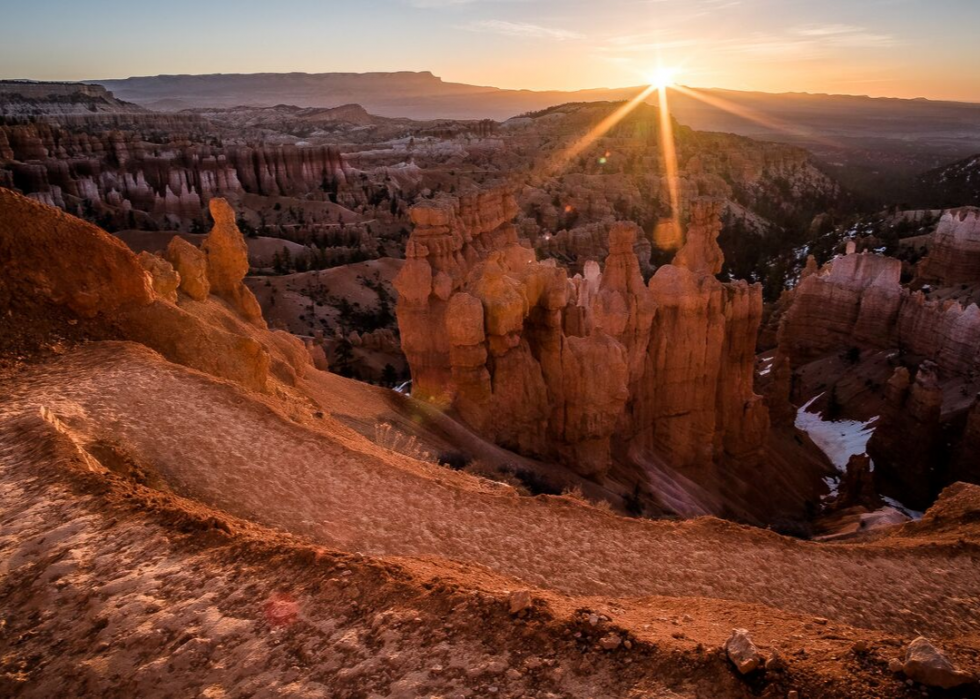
(521, 29)
(845, 36)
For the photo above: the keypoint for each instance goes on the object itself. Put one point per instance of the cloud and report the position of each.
(845, 36)
(521, 29)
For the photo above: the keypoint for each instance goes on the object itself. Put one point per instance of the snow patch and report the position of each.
(914, 514)
(840, 439)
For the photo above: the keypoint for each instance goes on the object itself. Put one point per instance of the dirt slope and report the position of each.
(113, 589)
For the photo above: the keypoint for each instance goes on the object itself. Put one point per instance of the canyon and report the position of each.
(195, 490)
(307, 401)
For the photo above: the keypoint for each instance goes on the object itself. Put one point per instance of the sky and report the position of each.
(896, 48)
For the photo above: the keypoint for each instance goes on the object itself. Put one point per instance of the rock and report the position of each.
(742, 652)
(954, 256)
(192, 267)
(904, 467)
(775, 662)
(173, 181)
(227, 263)
(39, 249)
(45, 254)
(928, 665)
(852, 301)
(559, 368)
(165, 279)
(895, 665)
(519, 601)
(701, 253)
(792, 694)
(857, 486)
(610, 641)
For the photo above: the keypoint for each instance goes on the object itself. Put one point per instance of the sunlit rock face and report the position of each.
(695, 404)
(857, 300)
(954, 257)
(853, 299)
(559, 367)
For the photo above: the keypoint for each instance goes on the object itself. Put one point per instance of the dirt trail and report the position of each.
(215, 444)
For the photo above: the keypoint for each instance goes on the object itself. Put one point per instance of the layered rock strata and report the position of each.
(954, 257)
(857, 300)
(122, 170)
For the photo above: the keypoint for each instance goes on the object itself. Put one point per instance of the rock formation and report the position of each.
(192, 266)
(121, 171)
(557, 367)
(853, 300)
(54, 261)
(164, 278)
(857, 300)
(696, 404)
(227, 263)
(906, 468)
(954, 257)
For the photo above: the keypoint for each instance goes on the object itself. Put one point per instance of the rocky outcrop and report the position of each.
(857, 300)
(853, 300)
(164, 278)
(857, 486)
(906, 469)
(954, 257)
(54, 261)
(192, 266)
(48, 254)
(120, 171)
(696, 404)
(558, 367)
(227, 263)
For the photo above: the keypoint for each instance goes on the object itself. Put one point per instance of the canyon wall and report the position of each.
(858, 301)
(562, 367)
(954, 257)
(133, 171)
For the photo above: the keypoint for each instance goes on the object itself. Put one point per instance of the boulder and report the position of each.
(742, 652)
(192, 267)
(928, 665)
(165, 279)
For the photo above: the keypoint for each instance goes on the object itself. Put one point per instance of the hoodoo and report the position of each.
(557, 366)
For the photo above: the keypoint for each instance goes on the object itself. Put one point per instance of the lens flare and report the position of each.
(669, 238)
(663, 77)
(600, 129)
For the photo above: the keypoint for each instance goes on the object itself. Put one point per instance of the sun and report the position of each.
(663, 77)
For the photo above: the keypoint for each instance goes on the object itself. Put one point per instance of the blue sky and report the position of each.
(902, 48)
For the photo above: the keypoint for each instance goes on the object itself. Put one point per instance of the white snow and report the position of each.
(840, 439)
(914, 514)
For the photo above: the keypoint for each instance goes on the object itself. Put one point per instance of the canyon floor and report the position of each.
(166, 533)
